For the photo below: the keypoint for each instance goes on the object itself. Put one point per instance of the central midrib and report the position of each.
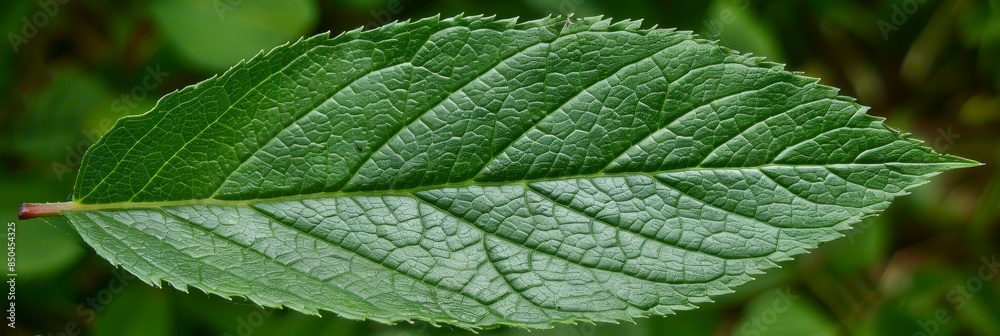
(76, 206)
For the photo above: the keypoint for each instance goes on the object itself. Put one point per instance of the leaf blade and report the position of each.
(595, 170)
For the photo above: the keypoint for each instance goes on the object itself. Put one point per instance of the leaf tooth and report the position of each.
(635, 25)
(508, 22)
(479, 17)
(602, 24)
(354, 32)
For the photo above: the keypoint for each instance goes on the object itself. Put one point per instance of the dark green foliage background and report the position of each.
(936, 76)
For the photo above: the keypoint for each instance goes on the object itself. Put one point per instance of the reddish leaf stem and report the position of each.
(35, 210)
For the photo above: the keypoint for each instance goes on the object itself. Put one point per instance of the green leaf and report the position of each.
(482, 172)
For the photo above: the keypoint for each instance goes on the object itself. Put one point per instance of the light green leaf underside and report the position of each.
(483, 172)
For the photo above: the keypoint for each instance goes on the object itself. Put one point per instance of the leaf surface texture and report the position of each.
(483, 172)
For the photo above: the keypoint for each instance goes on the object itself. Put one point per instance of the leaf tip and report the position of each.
(949, 162)
(961, 162)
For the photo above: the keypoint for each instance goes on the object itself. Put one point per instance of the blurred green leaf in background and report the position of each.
(936, 76)
(213, 35)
